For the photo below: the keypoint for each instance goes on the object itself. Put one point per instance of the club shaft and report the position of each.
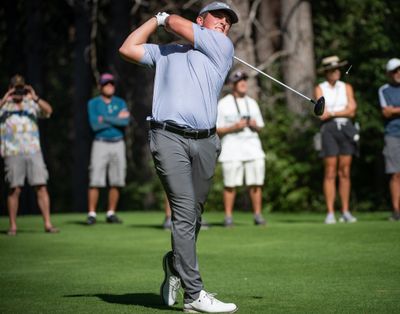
(271, 78)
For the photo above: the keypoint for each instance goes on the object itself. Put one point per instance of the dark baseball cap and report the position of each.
(216, 5)
(106, 78)
(237, 76)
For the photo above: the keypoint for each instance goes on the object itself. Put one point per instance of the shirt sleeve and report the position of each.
(215, 45)
(257, 114)
(38, 111)
(223, 120)
(94, 118)
(382, 99)
(151, 55)
(220, 115)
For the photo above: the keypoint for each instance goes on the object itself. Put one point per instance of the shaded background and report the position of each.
(61, 47)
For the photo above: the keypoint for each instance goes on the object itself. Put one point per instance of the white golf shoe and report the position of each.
(330, 219)
(347, 217)
(207, 303)
(171, 284)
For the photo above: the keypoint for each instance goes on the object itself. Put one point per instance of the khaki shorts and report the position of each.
(107, 159)
(391, 152)
(32, 167)
(252, 171)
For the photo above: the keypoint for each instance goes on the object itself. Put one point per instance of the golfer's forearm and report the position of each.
(180, 27)
(132, 49)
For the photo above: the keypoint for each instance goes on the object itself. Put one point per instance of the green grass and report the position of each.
(294, 265)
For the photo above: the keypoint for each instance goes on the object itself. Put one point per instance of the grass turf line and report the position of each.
(294, 265)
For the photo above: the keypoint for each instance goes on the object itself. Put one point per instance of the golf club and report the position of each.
(319, 104)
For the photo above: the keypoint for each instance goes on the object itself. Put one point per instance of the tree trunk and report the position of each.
(82, 86)
(118, 30)
(33, 59)
(298, 66)
(268, 46)
(241, 35)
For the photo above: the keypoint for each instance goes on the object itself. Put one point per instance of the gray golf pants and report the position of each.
(186, 168)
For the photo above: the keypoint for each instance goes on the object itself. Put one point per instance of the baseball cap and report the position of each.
(216, 5)
(237, 76)
(106, 78)
(392, 64)
(17, 81)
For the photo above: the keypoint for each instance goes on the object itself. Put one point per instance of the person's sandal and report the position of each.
(52, 230)
(12, 232)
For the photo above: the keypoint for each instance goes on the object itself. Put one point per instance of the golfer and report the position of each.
(182, 134)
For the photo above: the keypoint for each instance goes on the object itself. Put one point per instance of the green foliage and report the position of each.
(292, 166)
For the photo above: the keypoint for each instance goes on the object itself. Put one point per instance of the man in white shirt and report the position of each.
(238, 124)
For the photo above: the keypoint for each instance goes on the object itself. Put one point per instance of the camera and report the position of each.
(20, 91)
(246, 117)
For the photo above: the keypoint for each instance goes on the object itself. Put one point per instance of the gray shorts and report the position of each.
(32, 167)
(337, 140)
(107, 158)
(391, 151)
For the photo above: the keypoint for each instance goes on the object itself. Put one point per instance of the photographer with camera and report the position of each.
(239, 122)
(20, 147)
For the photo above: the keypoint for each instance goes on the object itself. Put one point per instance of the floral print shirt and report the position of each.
(19, 132)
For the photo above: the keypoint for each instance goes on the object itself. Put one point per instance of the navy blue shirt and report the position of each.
(111, 127)
(389, 95)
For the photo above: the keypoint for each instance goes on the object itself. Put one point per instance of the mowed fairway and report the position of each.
(294, 265)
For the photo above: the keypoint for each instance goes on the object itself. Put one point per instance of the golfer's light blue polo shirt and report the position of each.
(188, 80)
(389, 95)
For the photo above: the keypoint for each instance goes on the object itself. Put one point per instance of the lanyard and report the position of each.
(237, 106)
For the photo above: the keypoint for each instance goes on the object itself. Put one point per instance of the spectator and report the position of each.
(338, 135)
(108, 117)
(242, 157)
(20, 147)
(182, 138)
(389, 98)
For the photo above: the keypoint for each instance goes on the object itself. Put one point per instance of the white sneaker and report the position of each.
(171, 284)
(347, 217)
(330, 219)
(207, 303)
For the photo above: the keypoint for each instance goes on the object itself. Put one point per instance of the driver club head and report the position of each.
(319, 106)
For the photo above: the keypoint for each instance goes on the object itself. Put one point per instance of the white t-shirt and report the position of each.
(244, 145)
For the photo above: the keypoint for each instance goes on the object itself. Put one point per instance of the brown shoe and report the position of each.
(52, 230)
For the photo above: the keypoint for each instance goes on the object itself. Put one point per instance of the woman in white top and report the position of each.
(338, 137)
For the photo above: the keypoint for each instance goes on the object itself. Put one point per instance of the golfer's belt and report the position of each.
(183, 131)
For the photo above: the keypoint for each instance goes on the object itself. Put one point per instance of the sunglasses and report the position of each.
(106, 83)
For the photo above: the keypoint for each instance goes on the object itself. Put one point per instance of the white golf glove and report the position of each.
(161, 17)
